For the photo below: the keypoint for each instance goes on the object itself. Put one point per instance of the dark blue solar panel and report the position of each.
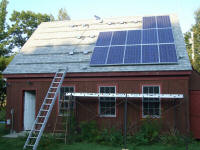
(149, 22)
(104, 39)
(116, 54)
(119, 38)
(99, 56)
(134, 37)
(165, 36)
(163, 21)
(150, 54)
(132, 55)
(167, 53)
(149, 36)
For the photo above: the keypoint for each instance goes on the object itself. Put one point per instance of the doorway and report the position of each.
(29, 109)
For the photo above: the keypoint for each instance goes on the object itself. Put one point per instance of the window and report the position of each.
(64, 100)
(107, 104)
(151, 106)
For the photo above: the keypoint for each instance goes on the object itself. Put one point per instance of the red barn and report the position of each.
(129, 55)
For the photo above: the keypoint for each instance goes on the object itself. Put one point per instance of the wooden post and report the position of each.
(175, 114)
(125, 123)
(187, 120)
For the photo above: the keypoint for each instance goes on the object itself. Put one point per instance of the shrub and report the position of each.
(88, 131)
(148, 133)
(173, 137)
(110, 137)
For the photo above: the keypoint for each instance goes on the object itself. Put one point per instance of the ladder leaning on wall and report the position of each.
(45, 110)
(63, 120)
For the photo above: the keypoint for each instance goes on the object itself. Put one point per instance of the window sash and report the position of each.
(107, 105)
(64, 100)
(151, 106)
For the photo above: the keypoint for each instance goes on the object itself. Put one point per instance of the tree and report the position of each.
(4, 61)
(23, 25)
(3, 29)
(62, 14)
(196, 41)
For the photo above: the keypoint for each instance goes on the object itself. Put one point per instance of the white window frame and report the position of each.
(60, 113)
(153, 116)
(101, 115)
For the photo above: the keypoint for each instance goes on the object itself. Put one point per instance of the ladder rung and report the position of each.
(44, 110)
(51, 92)
(30, 145)
(39, 123)
(58, 77)
(47, 104)
(56, 82)
(37, 130)
(49, 98)
(41, 116)
(54, 87)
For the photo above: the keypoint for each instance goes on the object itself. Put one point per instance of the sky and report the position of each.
(86, 9)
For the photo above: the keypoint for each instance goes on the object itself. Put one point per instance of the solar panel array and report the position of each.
(154, 44)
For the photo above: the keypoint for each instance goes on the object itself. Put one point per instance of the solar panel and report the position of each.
(104, 39)
(132, 54)
(116, 55)
(167, 53)
(99, 56)
(119, 38)
(150, 54)
(163, 21)
(154, 44)
(134, 37)
(149, 36)
(149, 22)
(165, 36)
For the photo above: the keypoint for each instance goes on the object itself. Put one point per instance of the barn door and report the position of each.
(29, 109)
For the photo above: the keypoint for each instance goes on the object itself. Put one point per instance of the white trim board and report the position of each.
(124, 95)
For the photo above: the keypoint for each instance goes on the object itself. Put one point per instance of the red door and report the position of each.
(195, 113)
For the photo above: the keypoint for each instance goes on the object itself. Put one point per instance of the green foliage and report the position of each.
(51, 144)
(173, 137)
(62, 14)
(187, 36)
(88, 131)
(196, 41)
(46, 140)
(148, 133)
(3, 30)
(110, 137)
(4, 61)
(23, 25)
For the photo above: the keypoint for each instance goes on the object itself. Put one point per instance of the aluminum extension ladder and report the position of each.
(45, 110)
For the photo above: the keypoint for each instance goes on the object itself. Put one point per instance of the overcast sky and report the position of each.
(86, 9)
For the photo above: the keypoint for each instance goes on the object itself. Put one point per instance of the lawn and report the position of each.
(45, 144)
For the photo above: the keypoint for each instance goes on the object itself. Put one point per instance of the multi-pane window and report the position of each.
(107, 104)
(151, 106)
(64, 104)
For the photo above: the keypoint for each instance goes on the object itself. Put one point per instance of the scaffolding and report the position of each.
(126, 96)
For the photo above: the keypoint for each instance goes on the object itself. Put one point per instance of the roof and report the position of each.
(62, 44)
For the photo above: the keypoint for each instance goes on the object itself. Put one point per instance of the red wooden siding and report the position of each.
(195, 113)
(87, 108)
